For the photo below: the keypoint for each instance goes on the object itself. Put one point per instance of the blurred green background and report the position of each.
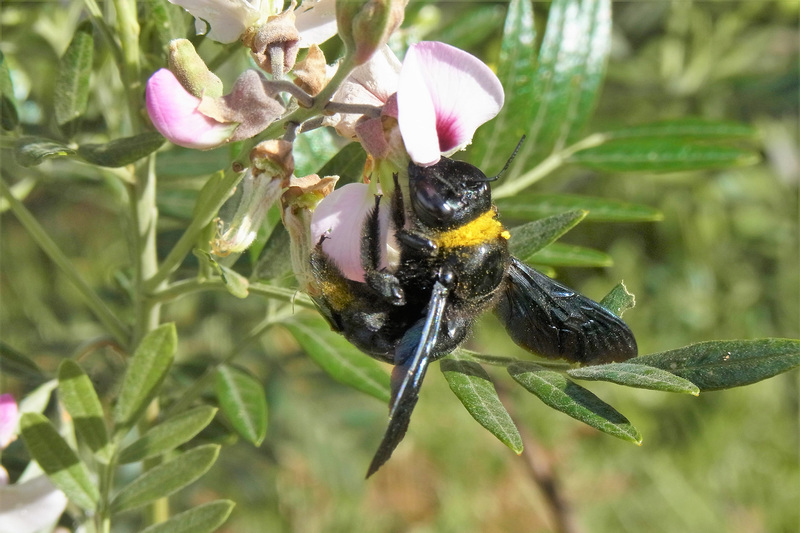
(722, 264)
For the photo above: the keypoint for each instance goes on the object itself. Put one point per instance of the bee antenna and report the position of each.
(510, 159)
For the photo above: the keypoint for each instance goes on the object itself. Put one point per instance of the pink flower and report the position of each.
(174, 113)
(340, 217)
(443, 95)
(9, 416)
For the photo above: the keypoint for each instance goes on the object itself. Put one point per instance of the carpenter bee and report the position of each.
(453, 265)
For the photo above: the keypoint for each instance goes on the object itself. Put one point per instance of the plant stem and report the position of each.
(189, 286)
(103, 313)
(548, 165)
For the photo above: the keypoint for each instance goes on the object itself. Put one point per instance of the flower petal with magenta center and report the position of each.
(444, 94)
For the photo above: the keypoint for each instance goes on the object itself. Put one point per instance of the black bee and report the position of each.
(454, 264)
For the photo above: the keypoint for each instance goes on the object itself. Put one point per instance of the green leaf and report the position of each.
(559, 254)
(636, 375)
(618, 300)
(146, 371)
(572, 64)
(32, 151)
(473, 387)
(242, 399)
(558, 392)
(9, 118)
(236, 284)
(36, 401)
(17, 363)
(77, 393)
(121, 152)
(716, 365)
(687, 128)
(58, 460)
(166, 478)
(529, 238)
(661, 155)
(343, 361)
(515, 70)
(72, 82)
(274, 262)
(168, 435)
(201, 519)
(528, 206)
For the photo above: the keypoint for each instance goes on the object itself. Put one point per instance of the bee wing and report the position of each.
(412, 358)
(550, 319)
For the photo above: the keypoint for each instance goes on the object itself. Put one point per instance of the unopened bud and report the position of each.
(191, 70)
(275, 43)
(366, 25)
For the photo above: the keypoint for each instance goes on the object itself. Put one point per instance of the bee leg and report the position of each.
(386, 284)
(412, 356)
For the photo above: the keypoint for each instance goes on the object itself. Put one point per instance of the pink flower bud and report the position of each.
(9, 415)
(174, 113)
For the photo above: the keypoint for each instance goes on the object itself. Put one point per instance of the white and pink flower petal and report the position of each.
(443, 95)
(174, 113)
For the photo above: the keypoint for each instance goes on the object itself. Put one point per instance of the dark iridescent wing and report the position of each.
(550, 319)
(411, 362)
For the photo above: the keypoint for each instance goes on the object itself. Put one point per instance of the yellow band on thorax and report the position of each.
(484, 228)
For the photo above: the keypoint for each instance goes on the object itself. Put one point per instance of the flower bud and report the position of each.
(275, 44)
(191, 70)
(366, 25)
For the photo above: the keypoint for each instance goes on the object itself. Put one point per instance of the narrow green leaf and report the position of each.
(36, 401)
(72, 82)
(716, 365)
(201, 519)
(242, 399)
(471, 25)
(15, 362)
(32, 151)
(58, 460)
(661, 155)
(528, 206)
(618, 300)
(77, 393)
(515, 70)
(9, 118)
(687, 128)
(121, 152)
(529, 238)
(343, 361)
(572, 63)
(166, 478)
(559, 254)
(473, 387)
(273, 262)
(348, 163)
(636, 375)
(146, 371)
(168, 435)
(558, 392)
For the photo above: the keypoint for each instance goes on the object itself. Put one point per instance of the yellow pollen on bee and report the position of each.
(336, 294)
(484, 228)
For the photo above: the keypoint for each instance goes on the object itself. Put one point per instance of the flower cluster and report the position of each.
(425, 107)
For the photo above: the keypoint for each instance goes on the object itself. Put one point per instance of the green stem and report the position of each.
(128, 25)
(189, 286)
(97, 19)
(109, 320)
(548, 165)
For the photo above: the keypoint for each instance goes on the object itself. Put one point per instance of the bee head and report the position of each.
(449, 193)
